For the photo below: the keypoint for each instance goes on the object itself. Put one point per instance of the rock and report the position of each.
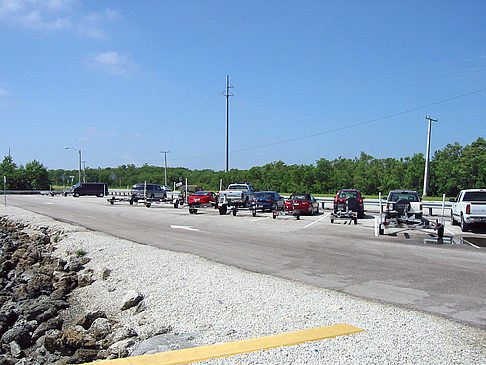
(118, 335)
(131, 299)
(120, 348)
(140, 307)
(100, 328)
(86, 319)
(76, 337)
(83, 355)
(41, 330)
(86, 278)
(18, 333)
(15, 350)
(74, 263)
(105, 273)
(52, 342)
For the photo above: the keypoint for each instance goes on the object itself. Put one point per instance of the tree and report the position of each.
(36, 176)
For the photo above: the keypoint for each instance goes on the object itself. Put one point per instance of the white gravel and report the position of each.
(216, 303)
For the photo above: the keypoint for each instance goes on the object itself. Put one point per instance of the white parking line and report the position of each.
(320, 219)
(259, 219)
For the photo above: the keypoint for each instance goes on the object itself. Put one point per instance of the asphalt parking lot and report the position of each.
(402, 267)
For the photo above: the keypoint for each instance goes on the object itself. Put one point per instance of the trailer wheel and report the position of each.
(223, 210)
(274, 215)
(381, 231)
(332, 220)
(297, 216)
(355, 220)
(176, 204)
(234, 212)
(440, 232)
(148, 205)
(76, 195)
(112, 201)
(131, 201)
(253, 213)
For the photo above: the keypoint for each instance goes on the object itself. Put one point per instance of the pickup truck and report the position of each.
(236, 195)
(469, 207)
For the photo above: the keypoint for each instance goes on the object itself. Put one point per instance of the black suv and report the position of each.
(152, 191)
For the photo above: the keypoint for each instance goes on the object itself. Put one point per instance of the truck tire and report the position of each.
(453, 221)
(76, 195)
(464, 225)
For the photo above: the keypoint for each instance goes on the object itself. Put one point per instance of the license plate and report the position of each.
(197, 199)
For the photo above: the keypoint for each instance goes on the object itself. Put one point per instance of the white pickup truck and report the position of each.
(469, 207)
(237, 195)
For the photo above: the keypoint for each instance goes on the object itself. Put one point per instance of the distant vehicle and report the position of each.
(191, 189)
(404, 210)
(408, 201)
(302, 204)
(268, 200)
(147, 191)
(469, 208)
(166, 187)
(349, 199)
(89, 188)
(202, 199)
(236, 195)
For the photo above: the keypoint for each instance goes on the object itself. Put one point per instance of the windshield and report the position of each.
(348, 194)
(238, 187)
(299, 196)
(264, 195)
(202, 193)
(411, 197)
(475, 196)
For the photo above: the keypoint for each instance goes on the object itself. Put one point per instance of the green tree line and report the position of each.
(453, 168)
(34, 176)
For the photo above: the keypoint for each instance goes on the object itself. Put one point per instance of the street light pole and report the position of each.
(79, 151)
(426, 173)
(165, 166)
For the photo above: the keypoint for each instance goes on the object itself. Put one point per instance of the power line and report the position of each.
(387, 116)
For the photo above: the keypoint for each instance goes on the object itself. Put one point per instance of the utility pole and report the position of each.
(84, 170)
(426, 173)
(165, 164)
(227, 94)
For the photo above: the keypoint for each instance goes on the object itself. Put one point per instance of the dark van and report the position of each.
(90, 188)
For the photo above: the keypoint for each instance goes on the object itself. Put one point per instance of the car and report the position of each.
(344, 198)
(147, 191)
(404, 201)
(302, 204)
(191, 189)
(268, 200)
(202, 199)
(469, 208)
(89, 188)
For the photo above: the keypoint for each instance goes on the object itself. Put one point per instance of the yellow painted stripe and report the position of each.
(193, 354)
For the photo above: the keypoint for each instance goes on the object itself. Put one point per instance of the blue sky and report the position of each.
(124, 80)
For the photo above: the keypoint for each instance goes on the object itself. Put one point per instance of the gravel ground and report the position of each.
(206, 303)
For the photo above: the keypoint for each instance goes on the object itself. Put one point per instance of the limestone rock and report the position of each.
(131, 299)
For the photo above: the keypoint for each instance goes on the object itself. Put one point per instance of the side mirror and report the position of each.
(452, 200)
(363, 197)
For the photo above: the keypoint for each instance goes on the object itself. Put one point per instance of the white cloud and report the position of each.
(111, 62)
(37, 14)
(3, 92)
(55, 15)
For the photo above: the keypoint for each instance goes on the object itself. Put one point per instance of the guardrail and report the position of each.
(427, 204)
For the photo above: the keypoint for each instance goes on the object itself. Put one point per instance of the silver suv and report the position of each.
(147, 191)
(406, 202)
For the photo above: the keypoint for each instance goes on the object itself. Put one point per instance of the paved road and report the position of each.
(400, 268)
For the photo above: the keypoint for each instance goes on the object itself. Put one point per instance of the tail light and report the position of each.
(421, 207)
(335, 200)
(387, 205)
(305, 203)
(468, 209)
